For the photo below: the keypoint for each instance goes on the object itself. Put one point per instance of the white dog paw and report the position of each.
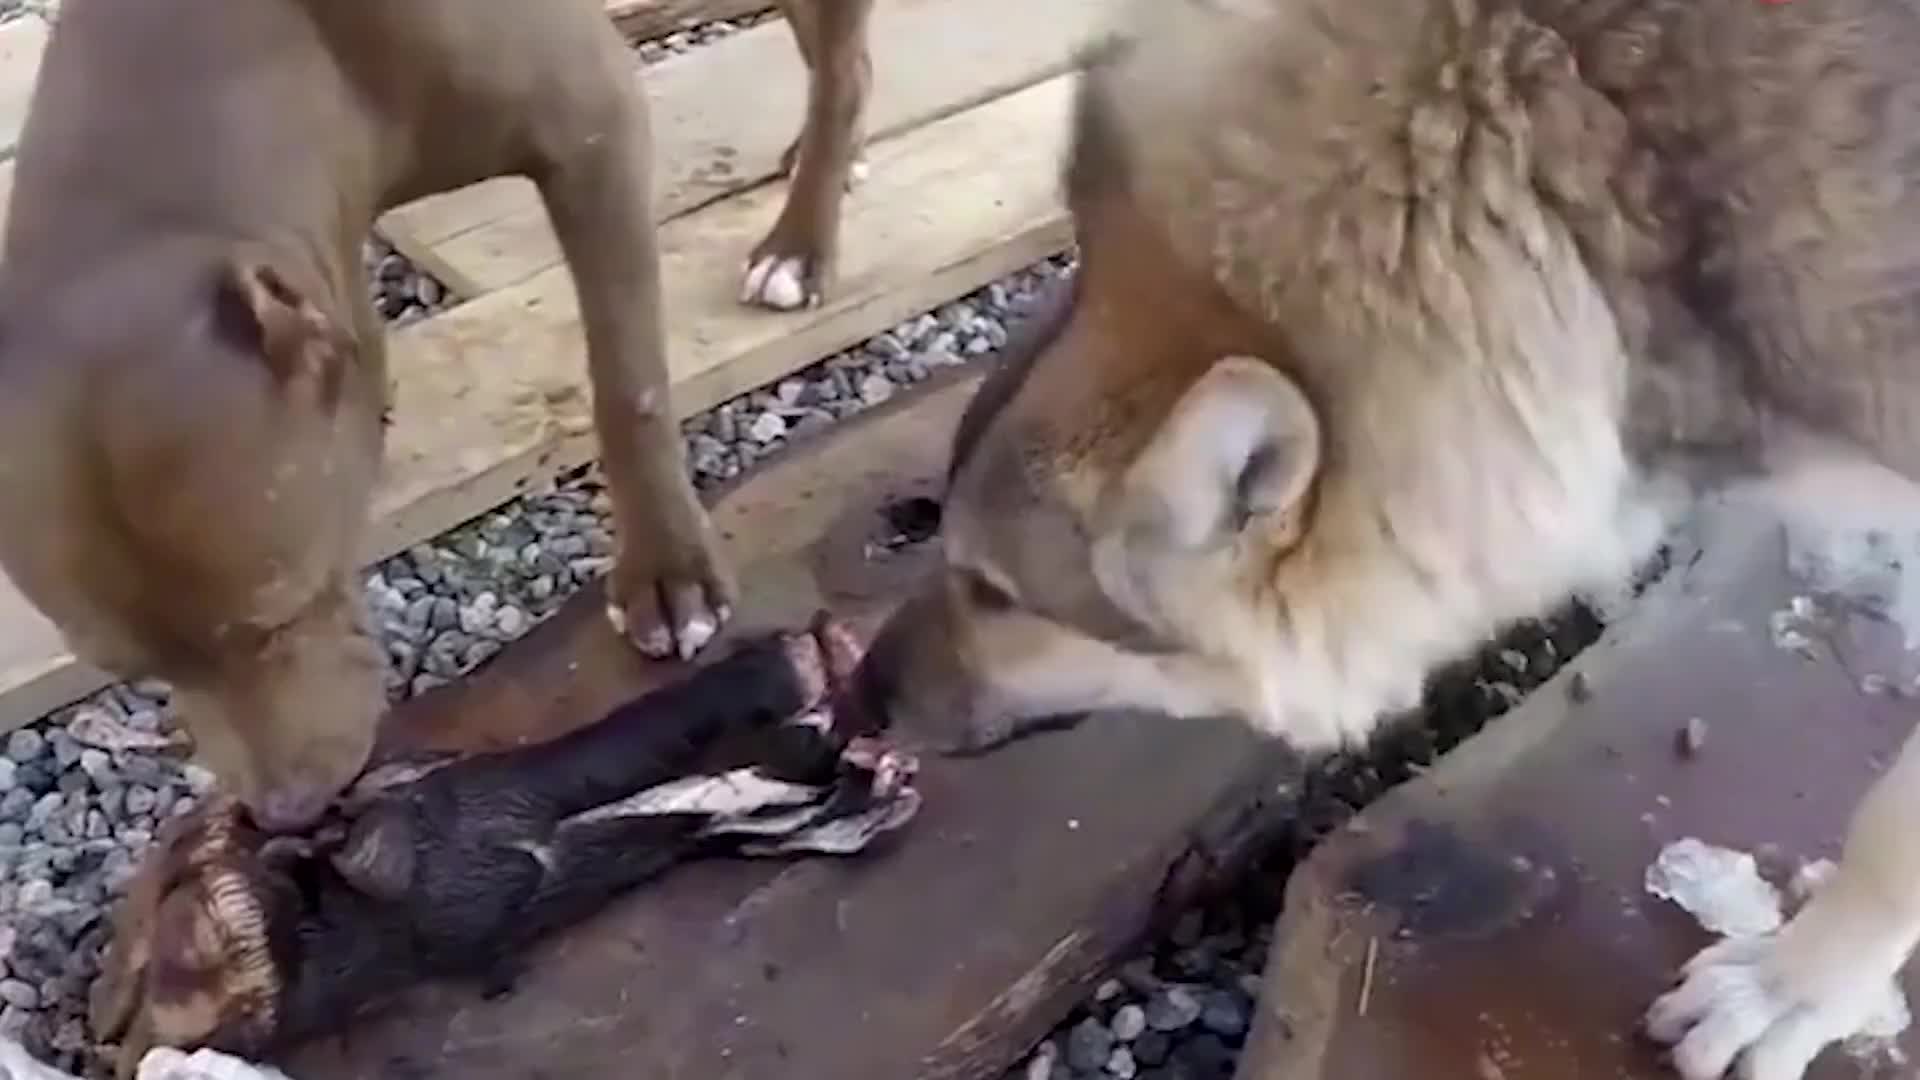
(780, 282)
(1763, 1007)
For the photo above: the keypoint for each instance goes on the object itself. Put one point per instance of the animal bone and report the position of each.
(442, 865)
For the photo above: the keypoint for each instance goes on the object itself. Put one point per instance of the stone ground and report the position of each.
(82, 792)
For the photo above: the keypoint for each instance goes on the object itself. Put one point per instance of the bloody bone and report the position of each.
(441, 866)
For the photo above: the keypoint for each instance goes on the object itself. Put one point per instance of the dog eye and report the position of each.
(985, 594)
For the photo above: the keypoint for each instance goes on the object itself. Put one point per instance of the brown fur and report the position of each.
(192, 381)
(1397, 321)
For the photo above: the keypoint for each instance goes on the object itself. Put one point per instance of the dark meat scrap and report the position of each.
(435, 867)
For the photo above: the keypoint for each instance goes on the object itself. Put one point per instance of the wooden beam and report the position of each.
(940, 955)
(714, 136)
(22, 40)
(645, 20)
(492, 395)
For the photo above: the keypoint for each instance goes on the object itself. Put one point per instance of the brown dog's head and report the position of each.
(1302, 432)
(187, 444)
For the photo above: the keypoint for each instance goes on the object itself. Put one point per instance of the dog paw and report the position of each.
(670, 603)
(782, 282)
(191, 963)
(790, 268)
(1764, 1007)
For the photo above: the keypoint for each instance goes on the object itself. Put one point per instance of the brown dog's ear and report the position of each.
(1241, 445)
(258, 309)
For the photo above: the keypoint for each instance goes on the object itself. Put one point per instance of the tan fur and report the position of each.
(1541, 270)
(192, 380)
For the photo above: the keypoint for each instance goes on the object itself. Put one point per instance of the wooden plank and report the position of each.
(36, 673)
(940, 956)
(932, 58)
(21, 43)
(492, 395)
(645, 20)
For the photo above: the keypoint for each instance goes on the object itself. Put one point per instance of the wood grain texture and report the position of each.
(723, 114)
(644, 20)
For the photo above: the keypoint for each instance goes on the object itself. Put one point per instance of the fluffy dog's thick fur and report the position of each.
(1397, 321)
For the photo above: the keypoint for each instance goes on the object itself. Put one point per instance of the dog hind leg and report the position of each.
(793, 266)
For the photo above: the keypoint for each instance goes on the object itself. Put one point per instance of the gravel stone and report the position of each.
(25, 746)
(1151, 1048)
(1089, 1045)
(1121, 1064)
(1172, 1009)
(1129, 1022)
(1225, 1014)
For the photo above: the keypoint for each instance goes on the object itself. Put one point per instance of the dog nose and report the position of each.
(290, 809)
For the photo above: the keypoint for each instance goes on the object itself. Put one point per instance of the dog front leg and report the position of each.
(1768, 1005)
(670, 591)
(793, 265)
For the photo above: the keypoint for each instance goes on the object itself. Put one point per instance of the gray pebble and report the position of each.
(18, 994)
(1089, 1045)
(1224, 1015)
(141, 800)
(1128, 1022)
(25, 745)
(9, 774)
(1151, 1048)
(1121, 1064)
(1172, 1009)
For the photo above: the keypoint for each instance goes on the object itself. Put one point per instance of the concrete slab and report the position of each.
(1488, 921)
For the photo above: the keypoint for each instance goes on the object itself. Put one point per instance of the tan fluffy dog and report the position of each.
(1399, 319)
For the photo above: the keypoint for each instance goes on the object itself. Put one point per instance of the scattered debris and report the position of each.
(1579, 688)
(1723, 889)
(1719, 886)
(1693, 736)
(1366, 975)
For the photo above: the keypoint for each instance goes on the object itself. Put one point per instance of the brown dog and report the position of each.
(192, 381)
(1400, 320)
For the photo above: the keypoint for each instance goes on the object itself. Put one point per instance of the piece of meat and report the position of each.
(443, 866)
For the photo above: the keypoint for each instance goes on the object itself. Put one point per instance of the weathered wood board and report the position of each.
(491, 396)
(712, 136)
(21, 42)
(942, 955)
(644, 20)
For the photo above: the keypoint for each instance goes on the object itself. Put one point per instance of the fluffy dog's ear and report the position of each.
(1240, 446)
(256, 308)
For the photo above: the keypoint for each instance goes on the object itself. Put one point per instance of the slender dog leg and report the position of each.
(793, 266)
(670, 591)
(1770, 1004)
